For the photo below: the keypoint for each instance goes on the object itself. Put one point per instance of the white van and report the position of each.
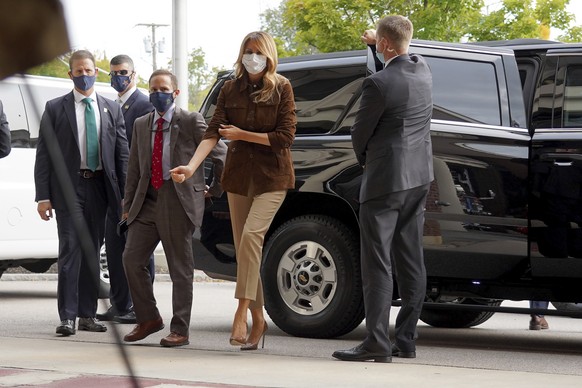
(25, 239)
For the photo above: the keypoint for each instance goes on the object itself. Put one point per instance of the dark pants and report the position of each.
(78, 273)
(391, 232)
(119, 294)
(161, 218)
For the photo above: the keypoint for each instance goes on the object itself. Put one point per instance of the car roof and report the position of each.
(518, 45)
(497, 49)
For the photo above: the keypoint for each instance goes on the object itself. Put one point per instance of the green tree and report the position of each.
(308, 26)
(200, 77)
(522, 19)
(445, 20)
(335, 25)
(573, 34)
(283, 33)
(103, 65)
(58, 67)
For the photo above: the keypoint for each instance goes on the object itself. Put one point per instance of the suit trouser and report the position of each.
(392, 227)
(250, 218)
(161, 218)
(78, 278)
(114, 245)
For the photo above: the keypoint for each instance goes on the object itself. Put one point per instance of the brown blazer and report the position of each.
(271, 168)
(186, 132)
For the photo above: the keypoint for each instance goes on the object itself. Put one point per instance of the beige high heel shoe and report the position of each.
(239, 341)
(255, 346)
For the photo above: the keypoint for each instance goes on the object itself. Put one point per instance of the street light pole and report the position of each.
(154, 43)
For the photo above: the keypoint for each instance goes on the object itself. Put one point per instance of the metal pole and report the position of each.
(154, 61)
(180, 50)
(153, 26)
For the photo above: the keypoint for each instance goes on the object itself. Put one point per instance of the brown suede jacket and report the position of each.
(270, 168)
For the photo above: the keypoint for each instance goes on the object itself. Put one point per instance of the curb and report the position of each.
(199, 276)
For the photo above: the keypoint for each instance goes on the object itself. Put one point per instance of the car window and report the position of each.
(462, 91)
(465, 91)
(323, 95)
(572, 113)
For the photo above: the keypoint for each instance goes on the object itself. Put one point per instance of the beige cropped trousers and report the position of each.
(250, 218)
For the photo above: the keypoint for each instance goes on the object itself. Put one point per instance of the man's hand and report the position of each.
(45, 210)
(369, 37)
(181, 173)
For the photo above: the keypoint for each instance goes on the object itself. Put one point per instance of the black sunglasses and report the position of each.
(121, 72)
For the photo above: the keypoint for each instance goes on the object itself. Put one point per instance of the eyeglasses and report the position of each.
(121, 72)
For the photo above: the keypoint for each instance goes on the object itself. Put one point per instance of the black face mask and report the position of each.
(162, 101)
(84, 82)
(120, 82)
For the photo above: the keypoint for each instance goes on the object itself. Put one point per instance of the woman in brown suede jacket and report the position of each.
(256, 112)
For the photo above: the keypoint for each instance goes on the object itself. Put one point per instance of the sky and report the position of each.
(111, 27)
(216, 26)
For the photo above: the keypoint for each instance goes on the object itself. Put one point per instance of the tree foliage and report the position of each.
(523, 19)
(58, 67)
(309, 26)
(200, 78)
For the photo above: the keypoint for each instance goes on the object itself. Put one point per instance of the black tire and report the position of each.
(459, 318)
(40, 266)
(311, 259)
(568, 307)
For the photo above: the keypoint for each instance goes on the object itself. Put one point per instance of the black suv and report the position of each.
(503, 214)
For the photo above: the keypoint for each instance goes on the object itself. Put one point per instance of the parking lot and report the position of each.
(499, 353)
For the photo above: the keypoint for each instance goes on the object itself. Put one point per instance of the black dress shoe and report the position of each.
(91, 324)
(128, 317)
(107, 315)
(360, 354)
(66, 328)
(398, 353)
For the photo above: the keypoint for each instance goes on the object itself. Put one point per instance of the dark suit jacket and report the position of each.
(5, 141)
(186, 132)
(137, 105)
(391, 134)
(59, 120)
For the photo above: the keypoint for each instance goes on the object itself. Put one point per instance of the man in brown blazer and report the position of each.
(157, 209)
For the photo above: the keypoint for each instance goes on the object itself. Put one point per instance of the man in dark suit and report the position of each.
(391, 138)
(133, 105)
(5, 139)
(157, 209)
(81, 163)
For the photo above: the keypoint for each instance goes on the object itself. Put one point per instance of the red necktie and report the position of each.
(157, 173)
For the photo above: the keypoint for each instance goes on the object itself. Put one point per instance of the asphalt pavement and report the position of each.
(32, 355)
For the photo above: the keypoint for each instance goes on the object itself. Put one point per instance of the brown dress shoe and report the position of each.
(142, 330)
(174, 339)
(538, 323)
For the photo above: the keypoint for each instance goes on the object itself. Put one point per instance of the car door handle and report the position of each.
(561, 159)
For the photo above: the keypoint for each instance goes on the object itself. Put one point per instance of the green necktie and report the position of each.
(92, 141)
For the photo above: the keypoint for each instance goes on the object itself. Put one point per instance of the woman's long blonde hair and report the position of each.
(267, 47)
